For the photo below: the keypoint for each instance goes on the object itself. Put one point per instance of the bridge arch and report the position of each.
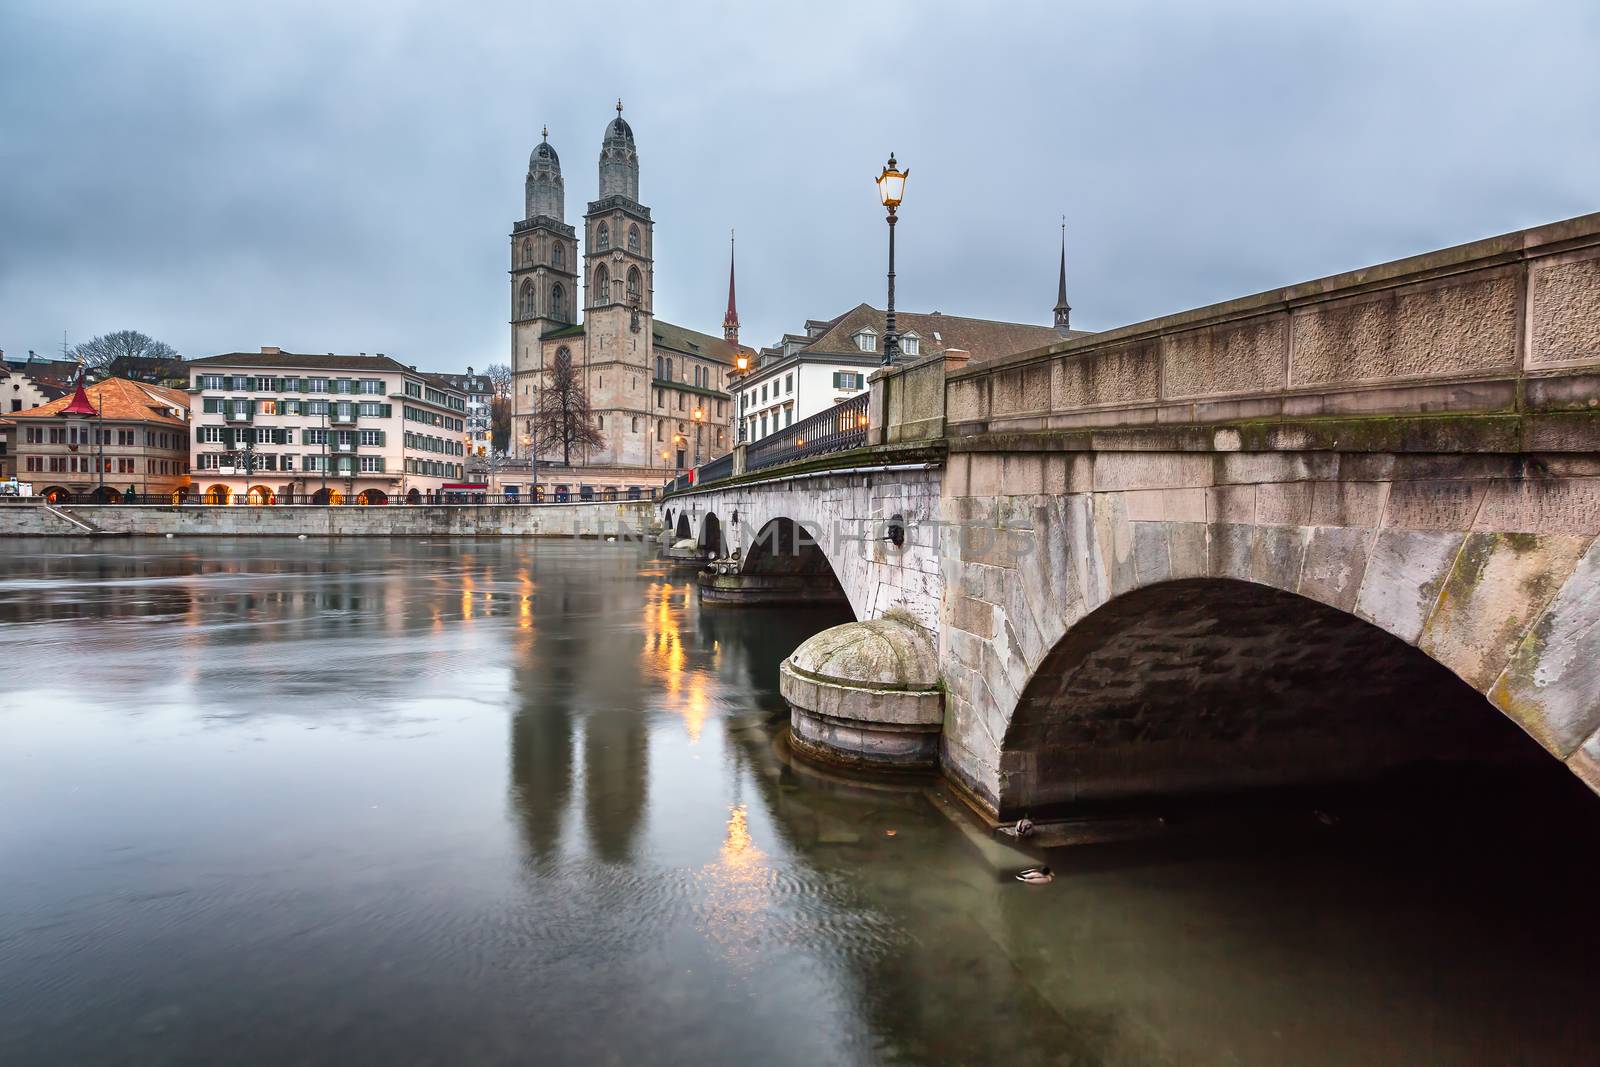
(1209, 684)
(682, 530)
(711, 537)
(783, 547)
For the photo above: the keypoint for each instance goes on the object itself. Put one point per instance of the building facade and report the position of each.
(105, 440)
(275, 427)
(659, 395)
(829, 363)
(480, 397)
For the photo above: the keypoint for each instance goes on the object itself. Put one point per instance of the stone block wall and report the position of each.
(1487, 564)
(444, 520)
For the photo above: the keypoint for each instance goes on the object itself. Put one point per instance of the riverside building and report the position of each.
(103, 440)
(276, 427)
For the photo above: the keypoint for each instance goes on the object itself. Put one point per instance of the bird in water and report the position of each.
(1024, 827)
(1036, 876)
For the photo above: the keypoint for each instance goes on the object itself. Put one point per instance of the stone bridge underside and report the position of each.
(1223, 619)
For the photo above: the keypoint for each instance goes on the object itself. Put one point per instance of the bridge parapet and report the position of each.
(1507, 324)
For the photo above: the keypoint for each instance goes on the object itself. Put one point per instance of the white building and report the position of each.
(829, 363)
(276, 427)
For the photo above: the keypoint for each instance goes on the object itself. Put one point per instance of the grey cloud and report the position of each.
(343, 177)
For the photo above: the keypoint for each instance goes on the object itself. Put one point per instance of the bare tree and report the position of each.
(500, 424)
(106, 348)
(499, 376)
(563, 420)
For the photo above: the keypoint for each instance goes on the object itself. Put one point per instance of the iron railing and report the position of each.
(714, 471)
(840, 427)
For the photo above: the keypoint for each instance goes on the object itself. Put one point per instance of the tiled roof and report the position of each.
(291, 361)
(119, 400)
(694, 343)
(936, 332)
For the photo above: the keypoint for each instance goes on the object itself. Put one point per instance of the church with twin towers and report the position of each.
(659, 395)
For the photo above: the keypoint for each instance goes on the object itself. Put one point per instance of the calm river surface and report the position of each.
(272, 802)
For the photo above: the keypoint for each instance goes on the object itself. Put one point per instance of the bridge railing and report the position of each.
(716, 470)
(840, 427)
(1455, 331)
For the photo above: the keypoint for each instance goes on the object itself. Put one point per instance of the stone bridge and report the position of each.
(1311, 534)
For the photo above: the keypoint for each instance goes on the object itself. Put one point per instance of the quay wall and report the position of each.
(592, 519)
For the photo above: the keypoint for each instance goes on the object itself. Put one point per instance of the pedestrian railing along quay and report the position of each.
(840, 427)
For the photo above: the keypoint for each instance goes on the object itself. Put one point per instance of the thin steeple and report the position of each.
(1063, 309)
(730, 321)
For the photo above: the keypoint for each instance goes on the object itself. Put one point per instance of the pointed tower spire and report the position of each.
(1063, 309)
(730, 321)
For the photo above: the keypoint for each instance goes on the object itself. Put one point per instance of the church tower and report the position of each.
(544, 281)
(1063, 310)
(730, 320)
(618, 306)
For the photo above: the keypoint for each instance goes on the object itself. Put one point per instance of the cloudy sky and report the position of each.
(341, 176)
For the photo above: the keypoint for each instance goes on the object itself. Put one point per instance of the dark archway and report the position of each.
(1210, 685)
(105, 495)
(784, 548)
(372, 496)
(711, 538)
(413, 497)
(219, 494)
(682, 531)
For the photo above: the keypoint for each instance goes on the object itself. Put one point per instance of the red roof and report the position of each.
(80, 404)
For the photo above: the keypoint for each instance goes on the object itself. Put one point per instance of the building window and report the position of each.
(669, 368)
(524, 303)
(843, 379)
(633, 238)
(910, 345)
(788, 383)
(633, 285)
(867, 341)
(527, 250)
(602, 236)
(558, 255)
(602, 285)
(658, 367)
(635, 424)
(557, 302)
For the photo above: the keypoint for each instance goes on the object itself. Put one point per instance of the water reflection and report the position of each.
(495, 801)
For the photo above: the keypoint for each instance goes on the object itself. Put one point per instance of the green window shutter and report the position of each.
(199, 433)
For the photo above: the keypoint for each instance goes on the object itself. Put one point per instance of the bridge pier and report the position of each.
(866, 694)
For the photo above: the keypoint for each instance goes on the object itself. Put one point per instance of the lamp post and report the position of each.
(891, 190)
(533, 469)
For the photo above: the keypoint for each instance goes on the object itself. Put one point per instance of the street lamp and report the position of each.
(533, 468)
(891, 190)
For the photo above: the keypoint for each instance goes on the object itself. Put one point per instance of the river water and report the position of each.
(270, 802)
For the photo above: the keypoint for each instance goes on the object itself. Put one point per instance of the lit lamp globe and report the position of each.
(892, 184)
